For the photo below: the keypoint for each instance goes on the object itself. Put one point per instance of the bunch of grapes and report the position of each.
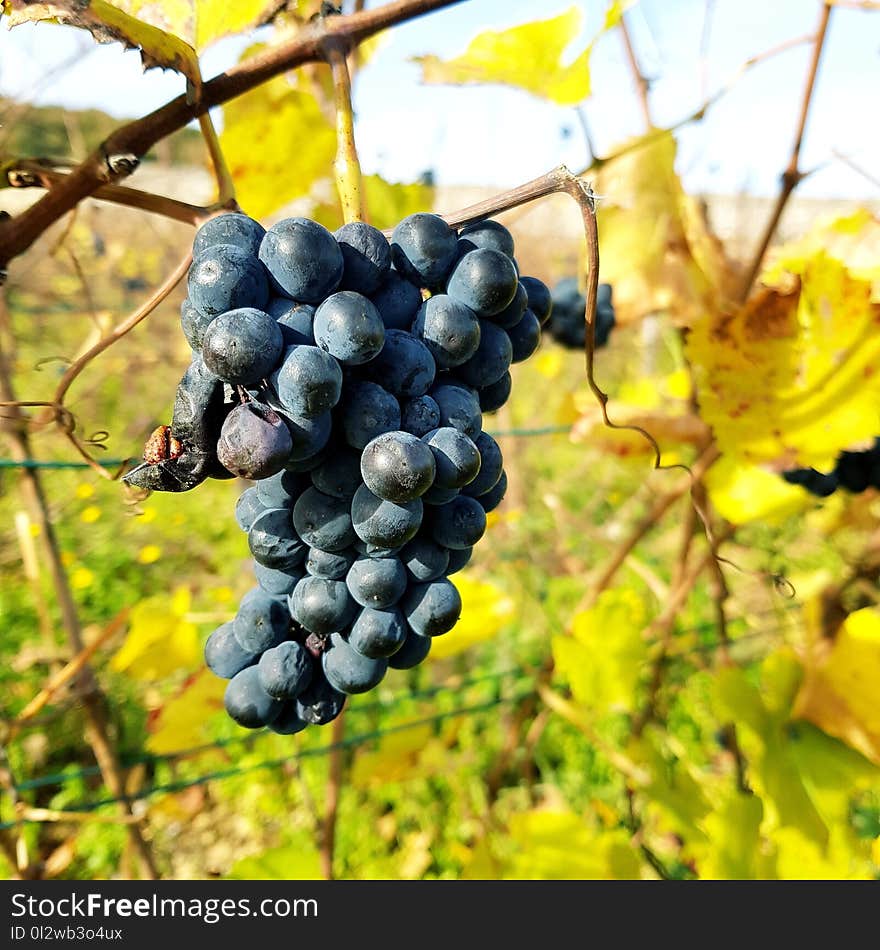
(567, 324)
(853, 471)
(347, 377)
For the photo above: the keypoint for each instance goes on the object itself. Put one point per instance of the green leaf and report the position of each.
(296, 862)
(733, 833)
(529, 57)
(108, 23)
(278, 145)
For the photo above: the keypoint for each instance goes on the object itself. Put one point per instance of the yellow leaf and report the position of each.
(656, 250)
(791, 376)
(278, 144)
(743, 493)
(485, 610)
(394, 758)
(603, 660)
(182, 722)
(388, 203)
(159, 641)
(108, 23)
(296, 862)
(733, 838)
(559, 845)
(799, 859)
(839, 693)
(529, 57)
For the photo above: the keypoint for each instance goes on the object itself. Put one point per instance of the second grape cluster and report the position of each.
(347, 376)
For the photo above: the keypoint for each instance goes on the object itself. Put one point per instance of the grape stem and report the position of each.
(347, 166)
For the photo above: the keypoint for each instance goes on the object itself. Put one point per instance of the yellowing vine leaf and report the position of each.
(160, 640)
(603, 658)
(529, 57)
(485, 610)
(278, 145)
(839, 693)
(657, 249)
(743, 494)
(791, 377)
(294, 862)
(182, 722)
(116, 23)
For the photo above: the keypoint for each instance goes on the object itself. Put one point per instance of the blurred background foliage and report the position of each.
(616, 702)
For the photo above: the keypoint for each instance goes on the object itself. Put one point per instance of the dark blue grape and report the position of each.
(224, 655)
(513, 312)
(323, 521)
(199, 407)
(397, 301)
(436, 495)
(494, 396)
(322, 605)
(229, 228)
(288, 722)
(449, 329)
(415, 648)
(459, 407)
(540, 298)
(320, 703)
(273, 540)
(486, 234)
(458, 559)
(397, 466)
(456, 457)
(339, 474)
(349, 671)
(295, 320)
(424, 559)
(282, 489)
(525, 337)
(376, 581)
(225, 278)
(404, 367)
(366, 255)
(378, 633)
(493, 498)
(423, 249)
(242, 346)
(308, 437)
(277, 582)
(385, 524)
(332, 565)
(254, 441)
(248, 507)
(367, 410)
(420, 415)
(303, 259)
(460, 523)
(431, 609)
(308, 381)
(286, 670)
(194, 323)
(491, 466)
(348, 326)
(247, 702)
(485, 280)
(261, 621)
(375, 550)
(491, 360)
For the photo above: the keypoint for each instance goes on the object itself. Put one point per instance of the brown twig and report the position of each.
(873, 179)
(30, 173)
(97, 734)
(122, 150)
(642, 85)
(792, 176)
(334, 785)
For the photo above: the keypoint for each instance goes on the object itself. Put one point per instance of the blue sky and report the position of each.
(500, 137)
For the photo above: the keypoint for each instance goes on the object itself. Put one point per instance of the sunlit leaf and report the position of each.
(295, 862)
(160, 44)
(797, 858)
(791, 376)
(182, 722)
(394, 758)
(603, 658)
(486, 609)
(278, 144)
(749, 493)
(530, 57)
(839, 693)
(159, 640)
(733, 835)
(387, 202)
